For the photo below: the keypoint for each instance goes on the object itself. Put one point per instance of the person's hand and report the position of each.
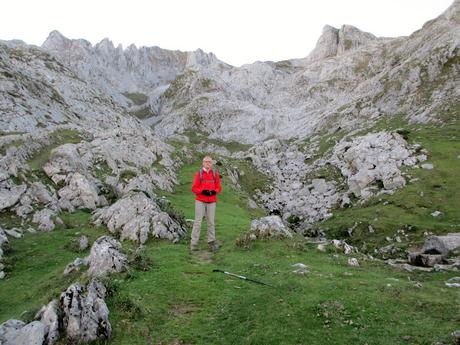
(213, 192)
(206, 192)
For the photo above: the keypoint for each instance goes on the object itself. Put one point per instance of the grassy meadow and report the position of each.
(172, 296)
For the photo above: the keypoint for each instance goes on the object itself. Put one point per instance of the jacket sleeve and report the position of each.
(218, 188)
(196, 186)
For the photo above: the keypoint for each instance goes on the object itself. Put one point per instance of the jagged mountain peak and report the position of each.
(58, 42)
(335, 41)
(55, 40)
(134, 69)
(105, 44)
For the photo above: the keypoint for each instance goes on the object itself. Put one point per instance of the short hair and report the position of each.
(207, 158)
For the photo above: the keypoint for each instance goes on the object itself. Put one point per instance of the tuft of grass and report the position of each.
(127, 175)
(143, 113)
(136, 97)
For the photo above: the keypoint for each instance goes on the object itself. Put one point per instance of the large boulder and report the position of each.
(48, 316)
(85, 314)
(271, 226)
(63, 160)
(136, 217)
(41, 194)
(80, 192)
(15, 332)
(10, 194)
(106, 257)
(435, 250)
(46, 219)
(442, 245)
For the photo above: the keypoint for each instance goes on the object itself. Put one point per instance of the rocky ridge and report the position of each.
(350, 80)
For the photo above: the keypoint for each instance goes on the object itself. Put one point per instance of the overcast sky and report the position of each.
(237, 31)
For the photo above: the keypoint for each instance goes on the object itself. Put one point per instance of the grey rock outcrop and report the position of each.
(10, 194)
(46, 219)
(15, 332)
(75, 265)
(48, 316)
(81, 311)
(136, 217)
(80, 192)
(290, 194)
(106, 257)
(271, 226)
(435, 250)
(83, 243)
(85, 314)
(334, 42)
(3, 238)
(442, 245)
(371, 158)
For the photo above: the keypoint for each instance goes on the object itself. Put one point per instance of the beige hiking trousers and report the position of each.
(201, 209)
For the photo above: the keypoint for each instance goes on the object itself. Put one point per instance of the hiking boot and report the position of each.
(214, 246)
(193, 247)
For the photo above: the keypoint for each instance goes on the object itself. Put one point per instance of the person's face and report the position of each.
(207, 163)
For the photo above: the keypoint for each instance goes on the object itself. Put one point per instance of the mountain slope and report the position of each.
(344, 84)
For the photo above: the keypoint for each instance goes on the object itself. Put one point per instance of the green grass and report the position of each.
(143, 113)
(136, 98)
(197, 137)
(180, 299)
(173, 297)
(35, 263)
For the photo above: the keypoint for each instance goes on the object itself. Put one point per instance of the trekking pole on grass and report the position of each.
(242, 277)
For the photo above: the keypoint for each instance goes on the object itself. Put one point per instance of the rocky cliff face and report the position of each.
(350, 79)
(132, 70)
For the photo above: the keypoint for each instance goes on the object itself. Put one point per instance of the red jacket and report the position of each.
(206, 183)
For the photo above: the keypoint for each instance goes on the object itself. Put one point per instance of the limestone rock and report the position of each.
(46, 219)
(48, 316)
(371, 158)
(106, 257)
(63, 160)
(353, 262)
(453, 282)
(86, 316)
(126, 70)
(80, 193)
(136, 217)
(10, 194)
(442, 245)
(15, 332)
(83, 243)
(3, 238)
(14, 232)
(75, 265)
(41, 194)
(271, 226)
